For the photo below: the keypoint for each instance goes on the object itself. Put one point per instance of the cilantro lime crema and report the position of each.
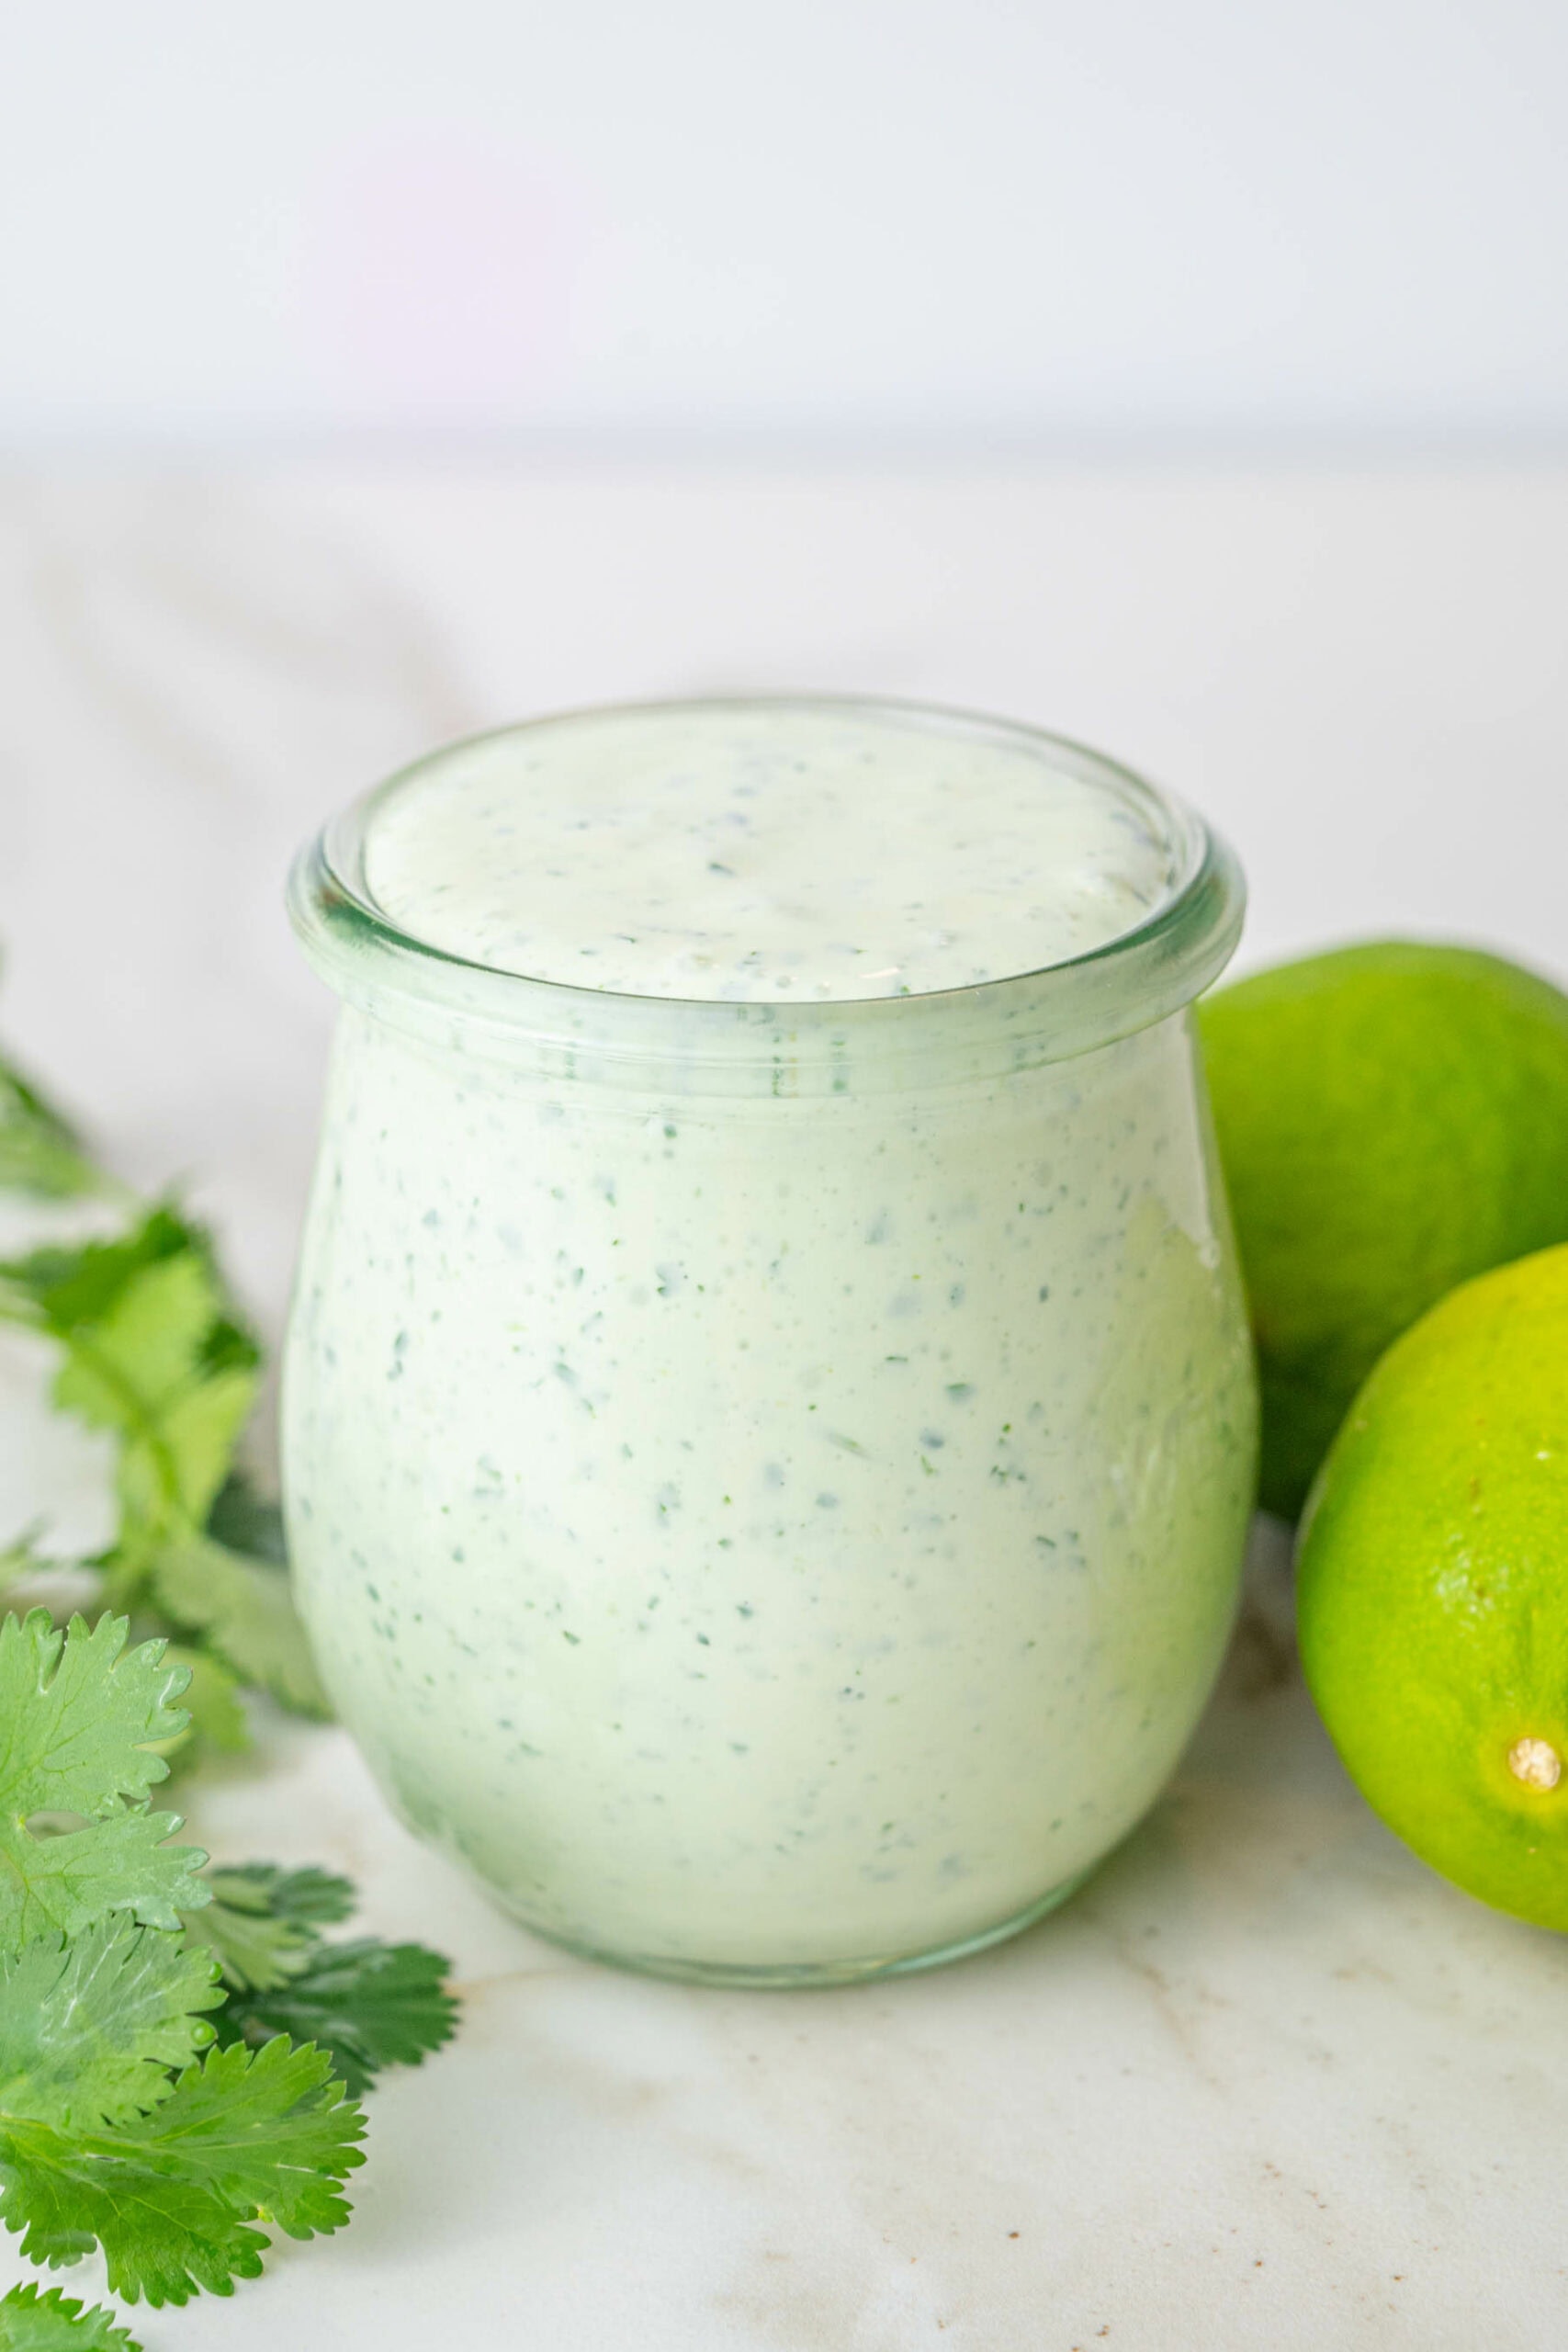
(725, 852)
(769, 1424)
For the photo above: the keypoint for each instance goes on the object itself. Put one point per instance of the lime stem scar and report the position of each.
(1535, 1762)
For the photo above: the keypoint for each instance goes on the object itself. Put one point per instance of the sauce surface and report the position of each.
(756, 852)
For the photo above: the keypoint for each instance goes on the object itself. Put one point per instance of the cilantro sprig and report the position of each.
(369, 2004)
(182, 2051)
(153, 1351)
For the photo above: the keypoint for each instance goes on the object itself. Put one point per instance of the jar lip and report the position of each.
(1106, 990)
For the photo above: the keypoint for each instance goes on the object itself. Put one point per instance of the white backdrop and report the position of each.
(1271, 218)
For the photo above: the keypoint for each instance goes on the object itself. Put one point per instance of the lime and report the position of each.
(1433, 1588)
(1392, 1120)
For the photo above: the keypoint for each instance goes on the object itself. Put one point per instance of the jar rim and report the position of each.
(1063, 1008)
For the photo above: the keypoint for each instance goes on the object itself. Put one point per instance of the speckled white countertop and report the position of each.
(1266, 2082)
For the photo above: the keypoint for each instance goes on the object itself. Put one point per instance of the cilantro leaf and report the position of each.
(66, 1882)
(78, 1712)
(253, 1927)
(172, 2196)
(271, 2128)
(311, 1897)
(152, 1352)
(39, 1151)
(244, 1608)
(368, 2004)
(91, 2027)
(54, 2321)
(262, 1921)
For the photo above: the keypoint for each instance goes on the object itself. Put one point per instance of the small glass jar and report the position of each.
(767, 1484)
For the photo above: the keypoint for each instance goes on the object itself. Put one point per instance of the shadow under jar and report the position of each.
(769, 1423)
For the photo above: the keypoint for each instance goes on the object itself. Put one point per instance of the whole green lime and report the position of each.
(1392, 1120)
(1432, 1591)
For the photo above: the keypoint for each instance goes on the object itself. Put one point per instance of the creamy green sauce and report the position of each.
(756, 854)
(767, 1534)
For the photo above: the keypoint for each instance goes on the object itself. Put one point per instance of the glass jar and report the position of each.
(767, 1484)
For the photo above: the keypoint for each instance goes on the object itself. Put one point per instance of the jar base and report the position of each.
(810, 1975)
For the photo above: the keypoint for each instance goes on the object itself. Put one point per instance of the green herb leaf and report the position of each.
(369, 2004)
(314, 1898)
(244, 1608)
(39, 1151)
(153, 1353)
(171, 2198)
(112, 2133)
(78, 1715)
(50, 2321)
(261, 1922)
(90, 2028)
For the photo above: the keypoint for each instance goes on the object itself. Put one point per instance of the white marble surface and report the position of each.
(1266, 2082)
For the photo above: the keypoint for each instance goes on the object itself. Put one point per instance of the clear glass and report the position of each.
(767, 1484)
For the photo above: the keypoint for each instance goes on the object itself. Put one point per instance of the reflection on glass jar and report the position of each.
(767, 1480)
